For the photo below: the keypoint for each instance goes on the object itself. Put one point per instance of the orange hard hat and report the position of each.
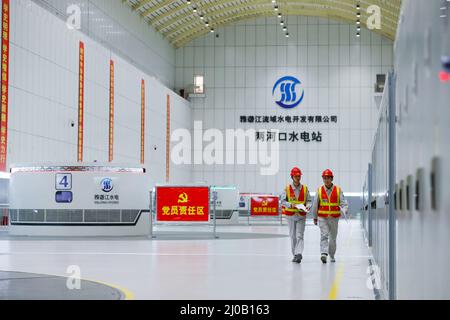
(328, 173)
(296, 172)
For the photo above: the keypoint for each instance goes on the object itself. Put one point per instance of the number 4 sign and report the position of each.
(63, 181)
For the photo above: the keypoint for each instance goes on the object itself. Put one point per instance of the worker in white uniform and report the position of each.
(295, 195)
(328, 205)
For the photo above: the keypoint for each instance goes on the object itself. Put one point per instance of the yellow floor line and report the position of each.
(127, 293)
(334, 291)
(336, 283)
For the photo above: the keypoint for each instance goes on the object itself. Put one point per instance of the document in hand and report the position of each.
(344, 212)
(302, 207)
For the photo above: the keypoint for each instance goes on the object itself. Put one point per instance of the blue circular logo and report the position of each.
(107, 185)
(289, 92)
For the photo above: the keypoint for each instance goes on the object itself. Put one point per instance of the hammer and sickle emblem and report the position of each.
(183, 198)
(265, 203)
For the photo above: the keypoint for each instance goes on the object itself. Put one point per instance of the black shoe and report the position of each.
(324, 259)
(299, 259)
(295, 259)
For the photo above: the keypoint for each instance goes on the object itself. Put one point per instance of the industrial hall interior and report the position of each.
(224, 150)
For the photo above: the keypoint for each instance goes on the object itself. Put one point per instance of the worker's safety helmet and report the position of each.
(328, 174)
(296, 172)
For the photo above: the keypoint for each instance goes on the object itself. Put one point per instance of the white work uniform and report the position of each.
(328, 226)
(296, 223)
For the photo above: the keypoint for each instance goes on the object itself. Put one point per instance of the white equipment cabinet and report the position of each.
(227, 205)
(79, 200)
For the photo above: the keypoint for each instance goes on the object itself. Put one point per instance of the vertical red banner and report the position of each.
(168, 141)
(111, 111)
(81, 104)
(5, 84)
(143, 121)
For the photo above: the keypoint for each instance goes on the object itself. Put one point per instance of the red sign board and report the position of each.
(264, 206)
(182, 204)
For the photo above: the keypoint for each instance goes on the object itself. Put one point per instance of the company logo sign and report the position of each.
(288, 92)
(107, 185)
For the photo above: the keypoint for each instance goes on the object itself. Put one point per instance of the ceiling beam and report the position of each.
(188, 30)
(179, 24)
(216, 5)
(186, 38)
(208, 10)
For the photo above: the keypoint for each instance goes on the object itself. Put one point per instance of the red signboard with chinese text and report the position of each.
(264, 206)
(5, 84)
(182, 204)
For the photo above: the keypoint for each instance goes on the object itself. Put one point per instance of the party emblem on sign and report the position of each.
(183, 198)
(265, 203)
(289, 92)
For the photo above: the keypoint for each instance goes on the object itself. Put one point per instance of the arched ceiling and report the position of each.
(177, 21)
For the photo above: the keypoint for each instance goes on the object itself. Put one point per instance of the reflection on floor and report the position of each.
(246, 262)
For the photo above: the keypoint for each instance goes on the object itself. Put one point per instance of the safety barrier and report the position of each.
(183, 206)
(261, 207)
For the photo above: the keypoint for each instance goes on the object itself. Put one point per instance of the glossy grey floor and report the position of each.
(28, 286)
(247, 262)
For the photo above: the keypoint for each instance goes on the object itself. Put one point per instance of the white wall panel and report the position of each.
(112, 23)
(44, 98)
(338, 73)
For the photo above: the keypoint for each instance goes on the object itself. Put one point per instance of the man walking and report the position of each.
(327, 208)
(294, 196)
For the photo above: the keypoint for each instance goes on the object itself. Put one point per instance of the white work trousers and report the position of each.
(297, 226)
(328, 235)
